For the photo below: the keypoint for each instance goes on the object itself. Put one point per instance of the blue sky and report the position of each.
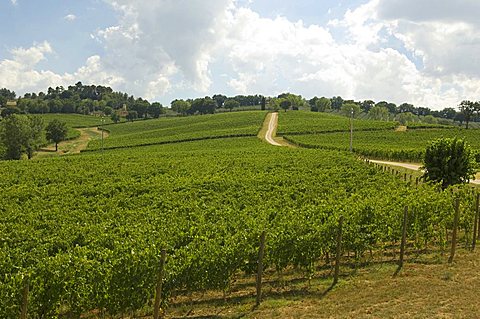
(391, 50)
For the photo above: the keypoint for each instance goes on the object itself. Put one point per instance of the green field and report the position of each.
(400, 146)
(76, 120)
(176, 129)
(304, 122)
(89, 239)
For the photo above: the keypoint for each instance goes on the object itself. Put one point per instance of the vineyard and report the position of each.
(167, 130)
(91, 237)
(389, 144)
(302, 122)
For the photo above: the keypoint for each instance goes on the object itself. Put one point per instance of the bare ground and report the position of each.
(74, 146)
(269, 130)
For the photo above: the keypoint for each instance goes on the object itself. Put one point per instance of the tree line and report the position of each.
(90, 99)
(79, 98)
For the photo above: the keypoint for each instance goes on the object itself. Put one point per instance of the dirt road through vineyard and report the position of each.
(272, 120)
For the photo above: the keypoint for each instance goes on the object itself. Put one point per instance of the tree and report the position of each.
(14, 134)
(108, 111)
(467, 108)
(115, 117)
(155, 109)
(203, 106)
(263, 103)
(323, 104)
(347, 109)
(448, 113)
(405, 118)
(449, 161)
(379, 113)
(132, 115)
(406, 107)
(430, 119)
(285, 104)
(392, 108)
(367, 105)
(231, 104)
(220, 99)
(337, 103)
(180, 106)
(35, 137)
(56, 132)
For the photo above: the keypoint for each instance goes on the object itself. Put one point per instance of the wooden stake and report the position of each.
(25, 291)
(339, 251)
(454, 232)
(158, 290)
(261, 252)
(404, 237)
(475, 224)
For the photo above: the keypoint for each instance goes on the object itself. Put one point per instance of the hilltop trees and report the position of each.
(180, 106)
(379, 113)
(203, 106)
(231, 104)
(350, 109)
(56, 132)
(78, 98)
(155, 109)
(285, 104)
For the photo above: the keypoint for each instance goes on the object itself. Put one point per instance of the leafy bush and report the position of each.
(449, 161)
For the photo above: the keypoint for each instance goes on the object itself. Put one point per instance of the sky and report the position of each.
(424, 52)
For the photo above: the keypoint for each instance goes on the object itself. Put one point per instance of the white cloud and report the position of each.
(166, 46)
(70, 17)
(158, 39)
(20, 72)
(14, 2)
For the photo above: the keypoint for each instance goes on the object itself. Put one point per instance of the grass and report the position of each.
(167, 130)
(426, 287)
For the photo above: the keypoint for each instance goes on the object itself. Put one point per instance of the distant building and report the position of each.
(11, 104)
(123, 112)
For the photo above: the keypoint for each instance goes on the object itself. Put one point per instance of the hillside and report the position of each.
(90, 239)
(176, 129)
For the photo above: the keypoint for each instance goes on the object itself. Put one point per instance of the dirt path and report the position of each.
(269, 129)
(74, 146)
(416, 167)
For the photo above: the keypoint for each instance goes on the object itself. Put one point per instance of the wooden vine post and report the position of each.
(261, 252)
(404, 237)
(158, 289)
(454, 232)
(338, 251)
(25, 292)
(475, 224)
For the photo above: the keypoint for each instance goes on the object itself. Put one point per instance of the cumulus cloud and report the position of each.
(158, 39)
(383, 50)
(70, 17)
(21, 74)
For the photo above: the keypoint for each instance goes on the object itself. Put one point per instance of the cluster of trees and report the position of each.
(88, 99)
(208, 105)
(20, 134)
(79, 98)
(404, 113)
